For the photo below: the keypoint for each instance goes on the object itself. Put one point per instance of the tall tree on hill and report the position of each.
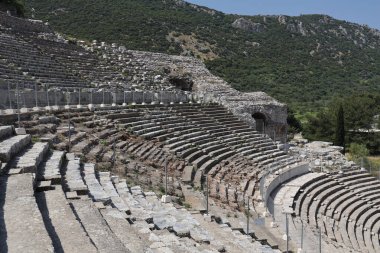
(339, 131)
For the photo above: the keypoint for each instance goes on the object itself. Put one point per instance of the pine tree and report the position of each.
(339, 131)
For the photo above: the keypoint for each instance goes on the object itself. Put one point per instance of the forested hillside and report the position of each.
(303, 61)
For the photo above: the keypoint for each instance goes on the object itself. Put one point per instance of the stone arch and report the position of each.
(261, 121)
(182, 83)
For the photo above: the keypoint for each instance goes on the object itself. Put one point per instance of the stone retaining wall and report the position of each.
(276, 180)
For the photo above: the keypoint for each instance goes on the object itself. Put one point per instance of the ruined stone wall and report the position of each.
(209, 88)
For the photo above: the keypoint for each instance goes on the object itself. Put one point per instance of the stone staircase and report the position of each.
(54, 202)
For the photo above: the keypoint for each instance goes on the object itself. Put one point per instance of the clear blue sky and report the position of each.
(357, 11)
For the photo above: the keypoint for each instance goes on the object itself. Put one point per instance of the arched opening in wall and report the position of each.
(260, 121)
(182, 83)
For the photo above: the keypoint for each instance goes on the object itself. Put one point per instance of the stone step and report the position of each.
(6, 132)
(193, 156)
(219, 151)
(96, 191)
(200, 161)
(124, 231)
(44, 186)
(82, 147)
(121, 144)
(29, 160)
(22, 227)
(96, 151)
(13, 145)
(68, 232)
(105, 181)
(73, 177)
(97, 228)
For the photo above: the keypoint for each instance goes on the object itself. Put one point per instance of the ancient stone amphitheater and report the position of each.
(92, 135)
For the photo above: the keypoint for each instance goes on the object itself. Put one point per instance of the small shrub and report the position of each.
(35, 139)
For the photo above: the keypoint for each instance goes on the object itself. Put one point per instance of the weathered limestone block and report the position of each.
(29, 161)
(232, 195)
(214, 188)
(48, 119)
(223, 192)
(12, 146)
(187, 175)
(6, 131)
(200, 235)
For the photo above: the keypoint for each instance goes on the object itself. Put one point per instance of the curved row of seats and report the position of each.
(345, 206)
(31, 59)
(205, 139)
(53, 202)
(35, 63)
(210, 139)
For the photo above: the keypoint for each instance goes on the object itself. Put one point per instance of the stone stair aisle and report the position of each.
(22, 227)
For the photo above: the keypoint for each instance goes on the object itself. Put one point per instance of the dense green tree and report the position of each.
(359, 111)
(319, 126)
(358, 153)
(339, 129)
(18, 6)
(294, 124)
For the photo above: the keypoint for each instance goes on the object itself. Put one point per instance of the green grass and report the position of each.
(375, 162)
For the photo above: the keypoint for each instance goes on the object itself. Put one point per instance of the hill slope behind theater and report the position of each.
(303, 61)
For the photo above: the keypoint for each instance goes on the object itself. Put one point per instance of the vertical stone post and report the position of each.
(287, 232)
(171, 98)
(207, 193)
(69, 148)
(247, 215)
(79, 98)
(143, 98)
(18, 106)
(67, 99)
(166, 177)
(301, 235)
(9, 95)
(320, 240)
(133, 98)
(55, 98)
(47, 98)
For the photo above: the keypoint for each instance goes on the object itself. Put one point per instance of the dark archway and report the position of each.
(182, 83)
(261, 121)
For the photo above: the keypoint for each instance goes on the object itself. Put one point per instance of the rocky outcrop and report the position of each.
(297, 28)
(282, 20)
(248, 25)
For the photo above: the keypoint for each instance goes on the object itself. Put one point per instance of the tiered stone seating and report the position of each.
(192, 133)
(91, 223)
(22, 25)
(9, 75)
(183, 134)
(35, 63)
(343, 205)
